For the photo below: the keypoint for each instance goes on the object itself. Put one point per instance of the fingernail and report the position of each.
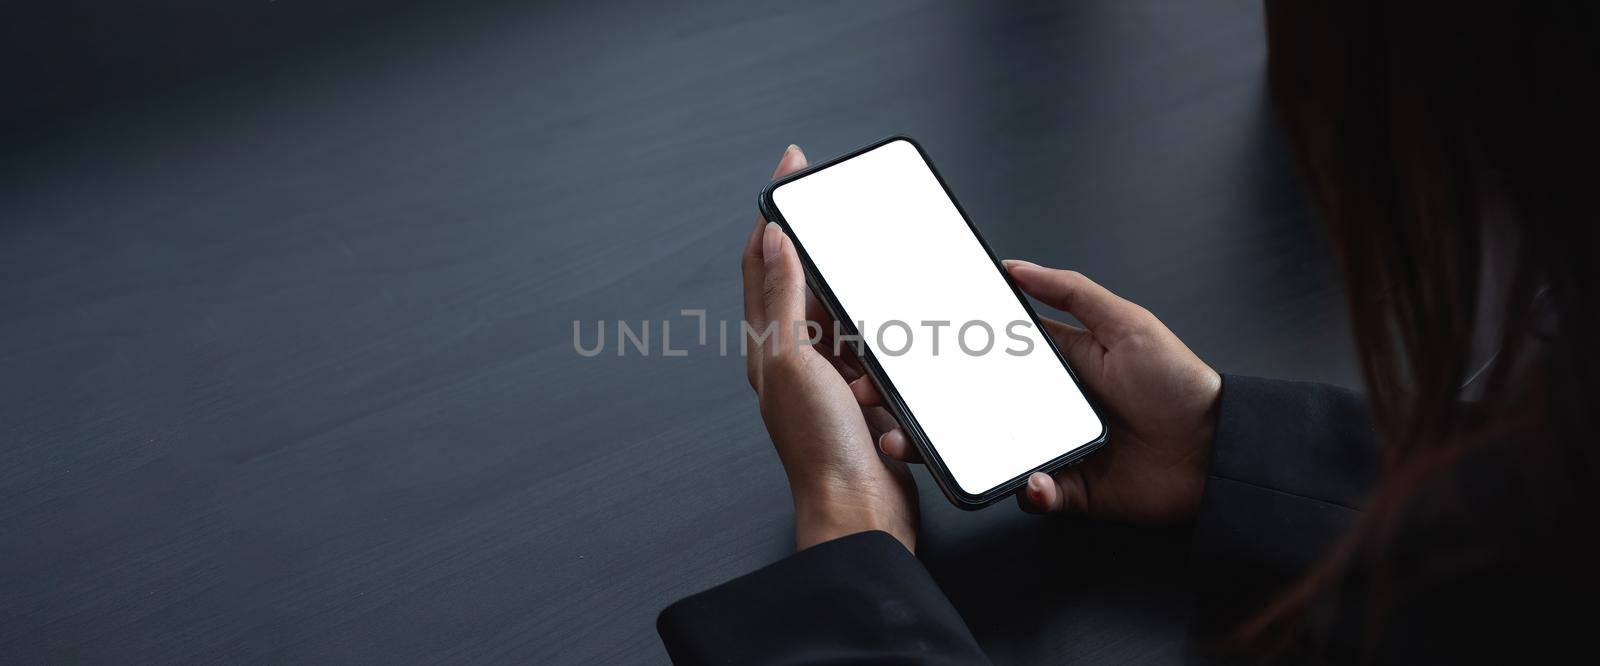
(769, 244)
(1014, 263)
(1035, 485)
(791, 155)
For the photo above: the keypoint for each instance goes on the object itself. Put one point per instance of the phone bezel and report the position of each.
(819, 285)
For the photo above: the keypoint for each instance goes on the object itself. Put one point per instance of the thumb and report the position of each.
(1063, 493)
(1105, 314)
(784, 291)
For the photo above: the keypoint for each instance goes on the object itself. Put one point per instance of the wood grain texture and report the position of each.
(288, 375)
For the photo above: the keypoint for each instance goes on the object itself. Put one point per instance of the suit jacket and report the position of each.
(1291, 467)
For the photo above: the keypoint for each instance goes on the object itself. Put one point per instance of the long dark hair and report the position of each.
(1451, 149)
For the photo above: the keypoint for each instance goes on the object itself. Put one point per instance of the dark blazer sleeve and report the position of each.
(858, 599)
(1290, 466)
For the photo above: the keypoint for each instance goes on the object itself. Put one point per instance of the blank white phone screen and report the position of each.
(992, 399)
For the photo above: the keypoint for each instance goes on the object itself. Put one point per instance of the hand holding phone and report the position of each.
(840, 483)
(1161, 400)
(956, 352)
(1159, 397)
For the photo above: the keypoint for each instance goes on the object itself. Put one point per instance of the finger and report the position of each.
(843, 358)
(1041, 495)
(751, 263)
(879, 421)
(844, 353)
(841, 364)
(865, 391)
(897, 445)
(793, 160)
(817, 312)
(770, 253)
(783, 290)
(1106, 314)
(754, 274)
(846, 362)
(1082, 350)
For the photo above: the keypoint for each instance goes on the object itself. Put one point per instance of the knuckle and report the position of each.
(777, 286)
(770, 288)
(786, 369)
(1137, 337)
(1072, 284)
(783, 366)
(1071, 281)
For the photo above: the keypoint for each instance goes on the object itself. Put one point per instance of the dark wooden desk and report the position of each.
(286, 359)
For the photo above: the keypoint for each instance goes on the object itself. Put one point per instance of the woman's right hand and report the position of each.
(1160, 399)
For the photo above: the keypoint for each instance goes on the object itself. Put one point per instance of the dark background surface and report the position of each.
(286, 360)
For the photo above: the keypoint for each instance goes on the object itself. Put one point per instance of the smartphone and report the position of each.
(951, 343)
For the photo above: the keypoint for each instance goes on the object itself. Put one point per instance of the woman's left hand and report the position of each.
(841, 483)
